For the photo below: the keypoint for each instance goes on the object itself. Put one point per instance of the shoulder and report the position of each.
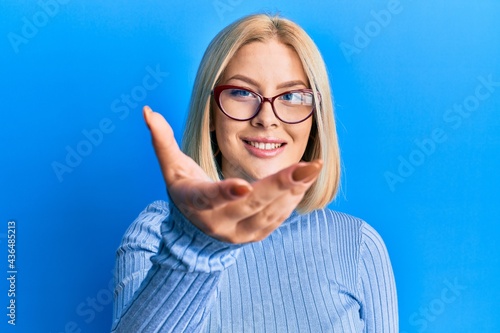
(157, 207)
(153, 214)
(146, 227)
(344, 231)
(346, 245)
(344, 223)
(337, 225)
(356, 241)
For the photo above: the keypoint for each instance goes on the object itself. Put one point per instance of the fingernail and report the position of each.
(306, 173)
(239, 190)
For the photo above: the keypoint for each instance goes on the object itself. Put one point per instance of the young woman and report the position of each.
(245, 243)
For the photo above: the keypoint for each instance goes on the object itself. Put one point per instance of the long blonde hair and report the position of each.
(198, 142)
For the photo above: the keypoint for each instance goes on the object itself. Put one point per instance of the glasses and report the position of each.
(291, 107)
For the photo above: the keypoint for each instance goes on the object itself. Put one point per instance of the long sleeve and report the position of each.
(167, 272)
(376, 283)
(323, 271)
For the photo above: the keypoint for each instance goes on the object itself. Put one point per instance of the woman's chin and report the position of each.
(252, 171)
(256, 174)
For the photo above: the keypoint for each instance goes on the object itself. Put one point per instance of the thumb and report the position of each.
(161, 132)
(166, 148)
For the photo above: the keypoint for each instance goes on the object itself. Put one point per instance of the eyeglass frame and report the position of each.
(218, 90)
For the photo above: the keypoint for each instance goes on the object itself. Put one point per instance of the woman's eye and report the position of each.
(240, 93)
(295, 98)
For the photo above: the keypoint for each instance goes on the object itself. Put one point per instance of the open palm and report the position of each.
(231, 210)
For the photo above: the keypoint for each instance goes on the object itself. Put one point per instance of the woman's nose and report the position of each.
(265, 117)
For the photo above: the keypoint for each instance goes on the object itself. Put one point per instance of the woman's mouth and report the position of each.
(263, 145)
(264, 148)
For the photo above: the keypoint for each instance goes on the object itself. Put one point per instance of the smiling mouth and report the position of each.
(264, 146)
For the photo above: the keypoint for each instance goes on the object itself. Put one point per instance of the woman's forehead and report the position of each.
(270, 62)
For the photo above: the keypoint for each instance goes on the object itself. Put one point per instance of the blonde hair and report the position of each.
(198, 142)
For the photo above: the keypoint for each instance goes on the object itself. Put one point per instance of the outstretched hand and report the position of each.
(230, 210)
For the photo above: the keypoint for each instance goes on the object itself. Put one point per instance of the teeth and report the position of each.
(265, 146)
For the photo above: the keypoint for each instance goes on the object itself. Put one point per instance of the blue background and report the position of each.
(424, 175)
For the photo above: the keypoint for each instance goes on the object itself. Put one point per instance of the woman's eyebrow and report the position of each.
(244, 79)
(291, 84)
(288, 84)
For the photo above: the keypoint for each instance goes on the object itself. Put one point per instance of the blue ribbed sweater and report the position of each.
(319, 272)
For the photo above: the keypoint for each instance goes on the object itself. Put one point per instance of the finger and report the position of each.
(198, 196)
(173, 162)
(294, 180)
(164, 142)
(307, 173)
(264, 222)
(296, 177)
(258, 226)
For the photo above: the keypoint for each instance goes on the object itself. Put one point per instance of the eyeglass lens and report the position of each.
(243, 104)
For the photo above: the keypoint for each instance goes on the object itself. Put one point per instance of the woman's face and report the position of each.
(259, 147)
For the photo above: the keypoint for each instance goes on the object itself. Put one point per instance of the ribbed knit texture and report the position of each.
(320, 272)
